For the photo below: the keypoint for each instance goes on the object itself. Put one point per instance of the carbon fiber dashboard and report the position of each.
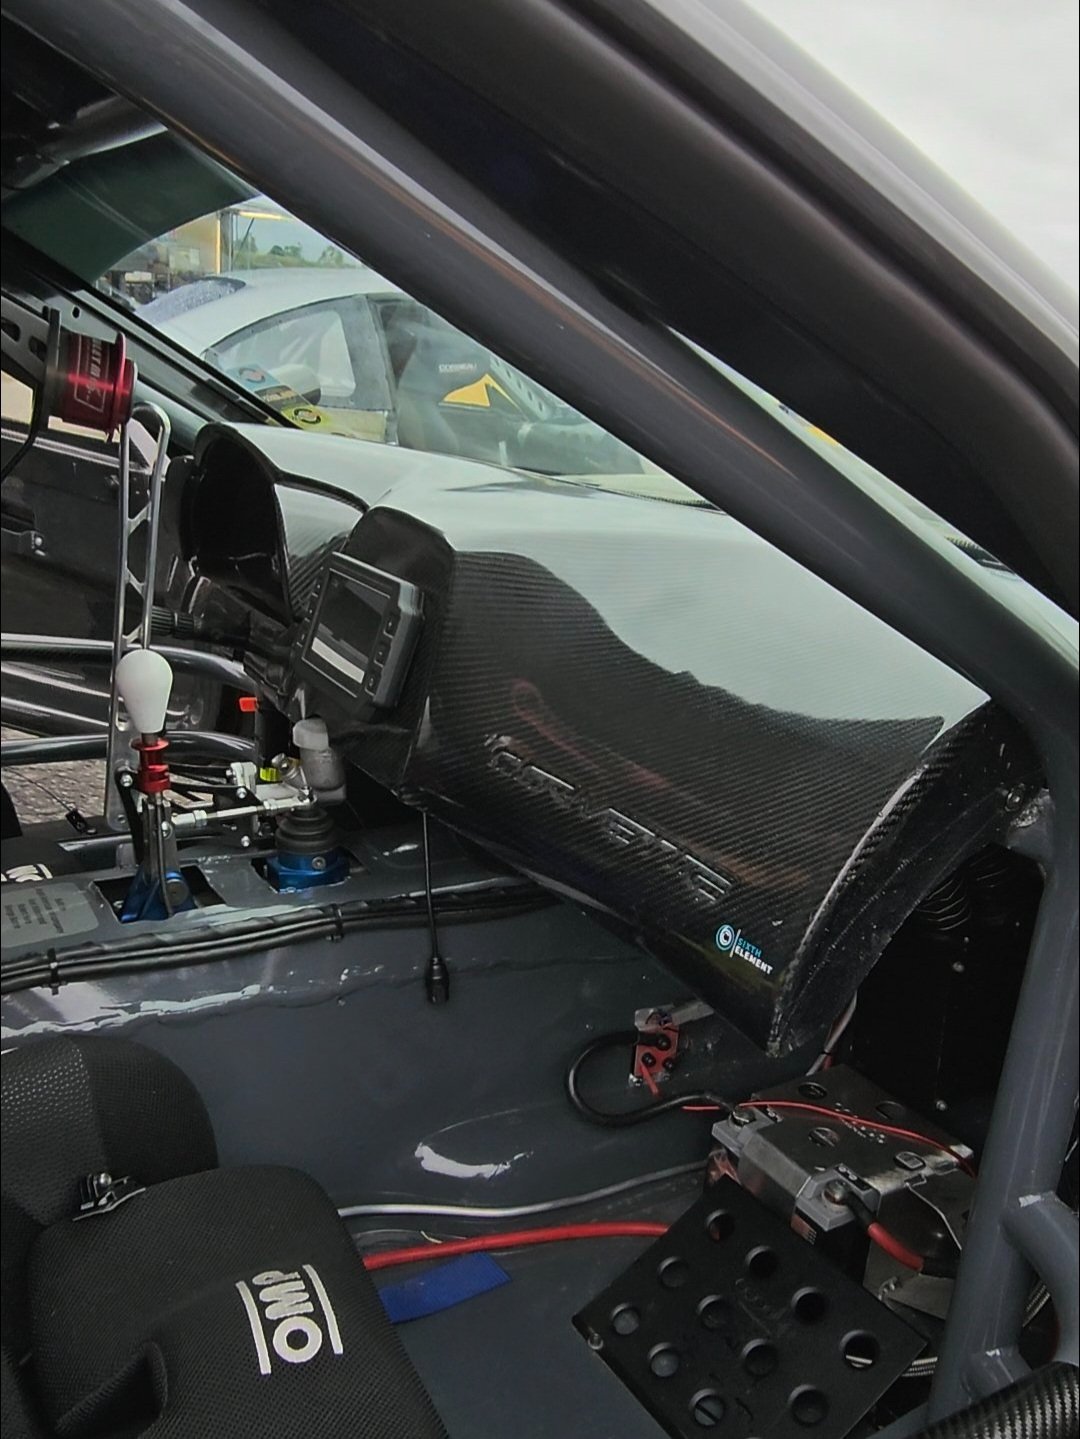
(650, 709)
(640, 703)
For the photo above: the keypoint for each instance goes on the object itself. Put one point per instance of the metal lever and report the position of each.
(146, 518)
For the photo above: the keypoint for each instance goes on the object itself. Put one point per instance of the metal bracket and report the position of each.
(657, 1046)
(101, 1194)
(20, 540)
(136, 517)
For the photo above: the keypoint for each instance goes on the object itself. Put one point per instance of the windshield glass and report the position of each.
(334, 346)
(330, 345)
(322, 339)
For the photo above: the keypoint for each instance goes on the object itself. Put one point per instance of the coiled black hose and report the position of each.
(1043, 1405)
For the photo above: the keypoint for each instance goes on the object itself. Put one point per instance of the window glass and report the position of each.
(304, 348)
(333, 345)
(318, 335)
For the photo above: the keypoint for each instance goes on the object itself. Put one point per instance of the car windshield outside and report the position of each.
(171, 237)
(335, 347)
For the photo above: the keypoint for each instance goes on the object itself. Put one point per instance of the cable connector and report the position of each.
(437, 976)
(437, 980)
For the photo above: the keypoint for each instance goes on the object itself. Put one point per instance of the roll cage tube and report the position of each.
(241, 86)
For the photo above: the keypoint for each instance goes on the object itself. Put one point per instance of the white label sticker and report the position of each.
(43, 913)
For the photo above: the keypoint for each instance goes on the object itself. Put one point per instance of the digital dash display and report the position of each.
(362, 631)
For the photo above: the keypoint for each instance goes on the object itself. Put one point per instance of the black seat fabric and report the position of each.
(75, 1107)
(216, 1302)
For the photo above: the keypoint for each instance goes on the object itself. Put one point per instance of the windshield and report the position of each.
(321, 338)
(333, 346)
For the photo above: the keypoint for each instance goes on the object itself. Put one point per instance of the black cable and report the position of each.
(71, 811)
(65, 804)
(623, 1118)
(95, 961)
(32, 433)
(868, 1221)
(437, 977)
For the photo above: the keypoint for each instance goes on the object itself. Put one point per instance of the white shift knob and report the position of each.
(144, 679)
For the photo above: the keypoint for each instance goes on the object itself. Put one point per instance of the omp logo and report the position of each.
(25, 873)
(279, 1308)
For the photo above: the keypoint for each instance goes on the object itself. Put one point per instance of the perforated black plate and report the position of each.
(732, 1325)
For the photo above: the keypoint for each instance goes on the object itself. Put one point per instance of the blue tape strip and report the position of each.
(442, 1286)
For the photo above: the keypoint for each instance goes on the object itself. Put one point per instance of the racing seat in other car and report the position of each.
(441, 361)
(147, 1292)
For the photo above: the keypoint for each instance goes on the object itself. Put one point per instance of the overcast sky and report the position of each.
(986, 88)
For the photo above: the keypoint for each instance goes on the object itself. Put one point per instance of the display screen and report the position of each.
(350, 617)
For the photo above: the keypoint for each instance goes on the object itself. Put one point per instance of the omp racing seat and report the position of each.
(147, 1292)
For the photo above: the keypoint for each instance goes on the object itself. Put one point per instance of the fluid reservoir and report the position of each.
(322, 767)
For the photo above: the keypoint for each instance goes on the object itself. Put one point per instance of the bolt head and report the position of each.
(1015, 798)
(245, 841)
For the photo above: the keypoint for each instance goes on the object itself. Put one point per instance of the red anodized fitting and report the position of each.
(153, 776)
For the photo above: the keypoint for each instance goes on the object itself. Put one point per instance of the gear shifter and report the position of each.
(144, 682)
